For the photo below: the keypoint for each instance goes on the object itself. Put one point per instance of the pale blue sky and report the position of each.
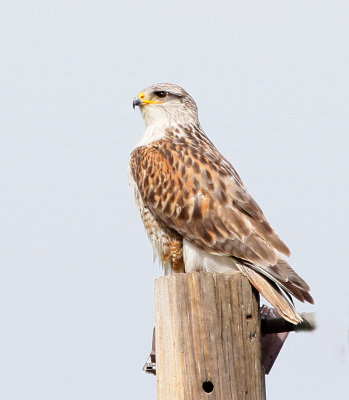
(76, 289)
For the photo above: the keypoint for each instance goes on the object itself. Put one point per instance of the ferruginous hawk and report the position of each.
(195, 208)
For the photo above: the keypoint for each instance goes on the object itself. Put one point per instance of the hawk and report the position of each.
(195, 208)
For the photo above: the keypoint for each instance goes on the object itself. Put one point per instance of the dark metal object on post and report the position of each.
(275, 330)
(274, 334)
(150, 365)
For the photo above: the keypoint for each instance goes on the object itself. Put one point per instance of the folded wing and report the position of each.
(197, 192)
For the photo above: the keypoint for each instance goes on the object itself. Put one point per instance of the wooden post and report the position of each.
(207, 338)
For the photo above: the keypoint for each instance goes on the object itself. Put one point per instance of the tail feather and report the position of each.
(292, 274)
(272, 293)
(271, 279)
(282, 274)
(277, 283)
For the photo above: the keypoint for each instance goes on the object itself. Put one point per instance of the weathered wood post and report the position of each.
(207, 338)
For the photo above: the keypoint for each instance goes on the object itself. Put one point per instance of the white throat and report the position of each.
(152, 133)
(159, 118)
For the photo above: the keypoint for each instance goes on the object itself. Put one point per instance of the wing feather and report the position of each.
(208, 206)
(194, 191)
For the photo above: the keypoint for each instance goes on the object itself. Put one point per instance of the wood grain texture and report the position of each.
(208, 330)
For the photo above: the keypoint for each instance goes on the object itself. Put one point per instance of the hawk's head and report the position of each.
(166, 103)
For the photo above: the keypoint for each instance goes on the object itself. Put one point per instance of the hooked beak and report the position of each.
(136, 102)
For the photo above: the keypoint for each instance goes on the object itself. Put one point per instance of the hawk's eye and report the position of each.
(160, 94)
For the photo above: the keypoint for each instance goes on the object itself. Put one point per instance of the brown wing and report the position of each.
(196, 192)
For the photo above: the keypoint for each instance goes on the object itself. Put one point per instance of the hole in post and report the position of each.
(208, 386)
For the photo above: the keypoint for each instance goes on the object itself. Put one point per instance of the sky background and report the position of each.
(76, 290)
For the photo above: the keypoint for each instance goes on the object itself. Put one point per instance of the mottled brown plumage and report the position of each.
(195, 206)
